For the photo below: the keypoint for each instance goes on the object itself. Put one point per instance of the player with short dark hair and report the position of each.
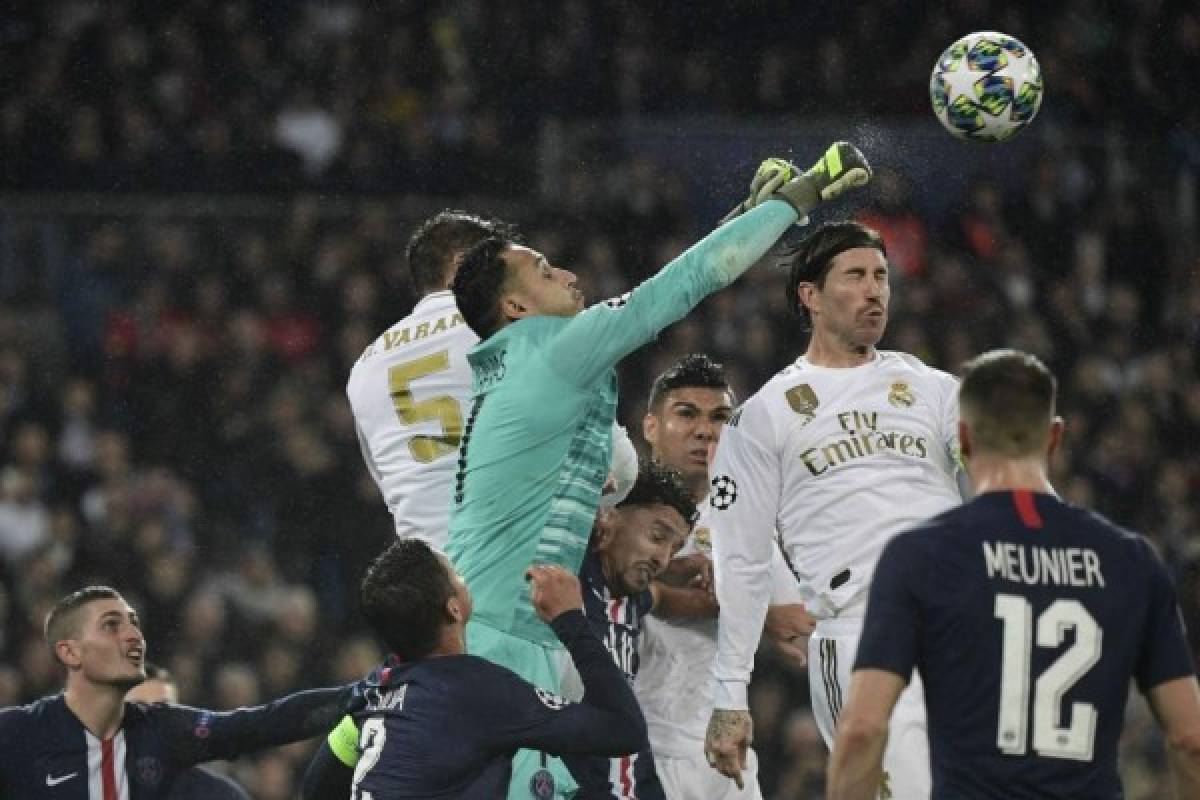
(689, 405)
(631, 545)
(90, 743)
(1026, 617)
(440, 723)
(536, 442)
(197, 783)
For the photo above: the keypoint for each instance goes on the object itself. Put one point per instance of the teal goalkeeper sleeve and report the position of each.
(598, 337)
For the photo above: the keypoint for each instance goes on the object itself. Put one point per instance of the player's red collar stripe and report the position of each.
(108, 775)
(1026, 508)
(614, 609)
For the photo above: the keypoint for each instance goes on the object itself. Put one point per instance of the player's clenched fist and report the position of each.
(553, 591)
(841, 168)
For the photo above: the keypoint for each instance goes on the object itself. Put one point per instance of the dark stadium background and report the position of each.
(203, 207)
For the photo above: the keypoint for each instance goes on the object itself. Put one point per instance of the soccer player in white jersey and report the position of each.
(688, 407)
(410, 386)
(843, 449)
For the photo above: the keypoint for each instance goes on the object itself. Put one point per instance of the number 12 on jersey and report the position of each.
(1051, 738)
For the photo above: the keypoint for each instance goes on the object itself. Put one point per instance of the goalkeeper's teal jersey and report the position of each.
(538, 440)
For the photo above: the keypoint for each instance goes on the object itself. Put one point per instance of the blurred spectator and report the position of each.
(171, 410)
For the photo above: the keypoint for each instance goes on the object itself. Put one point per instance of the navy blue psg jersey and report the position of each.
(618, 623)
(616, 620)
(1027, 619)
(448, 726)
(47, 754)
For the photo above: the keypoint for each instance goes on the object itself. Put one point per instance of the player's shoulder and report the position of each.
(1104, 530)
(25, 725)
(435, 316)
(895, 360)
(773, 396)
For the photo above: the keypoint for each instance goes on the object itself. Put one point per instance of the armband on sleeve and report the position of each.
(343, 741)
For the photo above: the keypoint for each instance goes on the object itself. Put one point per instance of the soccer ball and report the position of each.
(986, 87)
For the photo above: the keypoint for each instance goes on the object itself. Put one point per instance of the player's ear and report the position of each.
(650, 428)
(605, 529)
(455, 610)
(1056, 433)
(512, 307)
(67, 651)
(809, 297)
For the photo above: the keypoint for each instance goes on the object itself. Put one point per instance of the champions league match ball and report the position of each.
(987, 86)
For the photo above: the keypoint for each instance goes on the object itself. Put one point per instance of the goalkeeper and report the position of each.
(535, 449)
(536, 445)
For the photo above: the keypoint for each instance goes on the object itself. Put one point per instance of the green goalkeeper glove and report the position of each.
(842, 168)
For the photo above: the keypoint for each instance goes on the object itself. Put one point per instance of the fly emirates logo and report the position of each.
(860, 437)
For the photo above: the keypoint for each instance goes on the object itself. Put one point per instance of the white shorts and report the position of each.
(831, 653)
(693, 779)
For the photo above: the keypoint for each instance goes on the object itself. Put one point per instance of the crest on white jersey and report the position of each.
(900, 395)
(803, 400)
(724, 492)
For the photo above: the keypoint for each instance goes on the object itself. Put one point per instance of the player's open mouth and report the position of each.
(136, 655)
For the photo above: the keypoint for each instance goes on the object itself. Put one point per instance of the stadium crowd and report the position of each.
(172, 416)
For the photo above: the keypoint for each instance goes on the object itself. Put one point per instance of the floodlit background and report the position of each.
(203, 210)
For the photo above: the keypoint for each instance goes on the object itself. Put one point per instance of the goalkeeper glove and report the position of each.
(842, 168)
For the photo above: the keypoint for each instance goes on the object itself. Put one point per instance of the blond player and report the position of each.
(843, 449)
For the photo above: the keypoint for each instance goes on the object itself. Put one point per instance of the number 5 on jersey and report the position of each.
(426, 448)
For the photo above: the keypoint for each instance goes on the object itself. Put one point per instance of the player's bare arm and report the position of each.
(1176, 704)
(730, 734)
(690, 602)
(856, 764)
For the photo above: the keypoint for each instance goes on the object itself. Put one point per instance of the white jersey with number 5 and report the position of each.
(840, 460)
(410, 391)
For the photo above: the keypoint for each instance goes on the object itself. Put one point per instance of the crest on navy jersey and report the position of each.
(724, 492)
(900, 395)
(541, 785)
(149, 770)
(803, 400)
(617, 302)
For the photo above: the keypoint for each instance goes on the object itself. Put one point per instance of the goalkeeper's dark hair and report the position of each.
(1007, 400)
(403, 597)
(658, 484)
(478, 283)
(809, 260)
(693, 371)
(440, 240)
